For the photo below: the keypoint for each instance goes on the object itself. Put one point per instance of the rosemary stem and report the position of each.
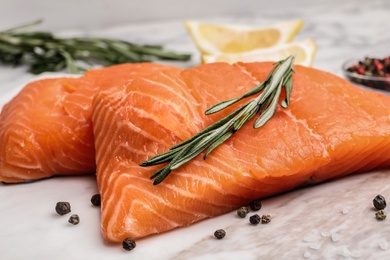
(24, 26)
(264, 104)
(18, 46)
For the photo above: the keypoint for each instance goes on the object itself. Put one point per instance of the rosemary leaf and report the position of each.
(211, 137)
(23, 26)
(161, 158)
(42, 51)
(211, 127)
(268, 112)
(193, 149)
(219, 141)
(288, 87)
(224, 104)
(70, 64)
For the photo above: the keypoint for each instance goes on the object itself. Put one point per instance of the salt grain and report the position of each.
(306, 254)
(383, 244)
(345, 252)
(356, 254)
(325, 234)
(315, 245)
(345, 210)
(335, 237)
(312, 236)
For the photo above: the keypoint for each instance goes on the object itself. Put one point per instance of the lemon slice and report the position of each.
(305, 51)
(227, 38)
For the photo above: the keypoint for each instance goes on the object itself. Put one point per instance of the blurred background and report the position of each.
(92, 14)
(340, 28)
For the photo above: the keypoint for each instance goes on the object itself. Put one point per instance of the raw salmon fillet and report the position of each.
(332, 128)
(46, 129)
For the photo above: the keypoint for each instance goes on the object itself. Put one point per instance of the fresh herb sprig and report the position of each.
(42, 51)
(211, 137)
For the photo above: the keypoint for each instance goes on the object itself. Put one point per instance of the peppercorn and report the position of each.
(95, 200)
(220, 233)
(74, 219)
(379, 202)
(255, 219)
(255, 205)
(380, 215)
(241, 212)
(265, 219)
(63, 207)
(372, 67)
(128, 244)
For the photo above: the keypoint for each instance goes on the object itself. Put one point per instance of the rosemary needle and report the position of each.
(212, 136)
(42, 51)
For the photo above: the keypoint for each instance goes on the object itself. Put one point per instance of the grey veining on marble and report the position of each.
(333, 220)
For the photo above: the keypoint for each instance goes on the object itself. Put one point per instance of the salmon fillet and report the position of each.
(46, 129)
(331, 128)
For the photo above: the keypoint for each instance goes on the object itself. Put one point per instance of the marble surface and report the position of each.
(333, 220)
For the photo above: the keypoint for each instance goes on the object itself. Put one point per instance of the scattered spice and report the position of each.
(63, 207)
(242, 212)
(95, 200)
(372, 67)
(128, 244)
(380, 215)
(265, 219)
(220, 233)
(255, 205)
(255, 219)
(74, 219)
(379, 202)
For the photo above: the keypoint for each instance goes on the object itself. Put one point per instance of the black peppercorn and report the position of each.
(265, 219)
(63, 207)
(255, 205)
(128, 244)
(220, 233)
(74, 219)
(241, 212)
(379, 202)
(255, 219)
(95, 200)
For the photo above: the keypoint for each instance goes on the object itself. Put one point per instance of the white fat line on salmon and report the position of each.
(150, 195)
(248, 155)
(100, 118)
(23, 156)
(303, 122)
(107, 179)
(185, 91)
(181, 191)
(243, 69)
(157, 106)
(118, 98)
(185, 98)
(217, 170)
(130, 126)
(125, 145)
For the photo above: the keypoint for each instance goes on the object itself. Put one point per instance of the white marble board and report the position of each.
(334, 220)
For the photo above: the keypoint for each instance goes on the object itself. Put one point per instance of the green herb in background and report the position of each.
(42, 51)
(212, 136)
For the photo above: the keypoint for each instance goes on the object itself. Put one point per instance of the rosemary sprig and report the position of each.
(217, 133)
(42, 51)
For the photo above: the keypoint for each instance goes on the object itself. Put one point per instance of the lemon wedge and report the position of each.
(227, 38)
(304, 50)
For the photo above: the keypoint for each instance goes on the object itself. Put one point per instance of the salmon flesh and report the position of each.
(331, 128)
(46, 129)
